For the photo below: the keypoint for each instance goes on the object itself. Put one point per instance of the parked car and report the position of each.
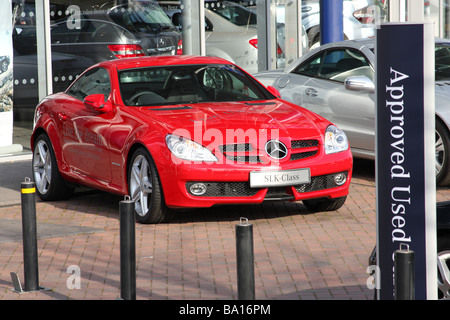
(148, 23)
(245, 17)
(342, 90)
(230, 41)
(185, 131)
(231, 32)
(358, 19)
(109, 32)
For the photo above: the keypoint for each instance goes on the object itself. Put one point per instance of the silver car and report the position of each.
(343, 91)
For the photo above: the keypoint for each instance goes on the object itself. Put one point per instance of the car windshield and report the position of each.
(141, 17)
(186, 84)
(442, 62)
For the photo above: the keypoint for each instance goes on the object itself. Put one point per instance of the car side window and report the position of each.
(310, 67)
(337, 65)
(94, 81)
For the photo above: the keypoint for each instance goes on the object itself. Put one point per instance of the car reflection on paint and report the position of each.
(185, 132)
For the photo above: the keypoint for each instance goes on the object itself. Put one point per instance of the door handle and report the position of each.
(311, 92)
(62, 116)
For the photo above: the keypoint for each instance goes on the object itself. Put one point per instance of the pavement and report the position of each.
(298, 255)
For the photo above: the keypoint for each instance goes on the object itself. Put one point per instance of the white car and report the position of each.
(358, 19)
(231, 33)
(235, 43)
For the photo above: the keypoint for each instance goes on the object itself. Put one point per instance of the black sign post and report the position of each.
(406, 191)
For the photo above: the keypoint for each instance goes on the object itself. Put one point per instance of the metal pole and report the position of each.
(127, 250)
(331, 21)
(193, 26)
(245, 260)
(44, 48)
(29, 235)
(404, 274)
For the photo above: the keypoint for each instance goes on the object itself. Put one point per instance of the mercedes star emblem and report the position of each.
(276, 149)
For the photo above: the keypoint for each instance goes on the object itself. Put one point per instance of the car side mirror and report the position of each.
(97, 102)
(359, 83)
(274, 91)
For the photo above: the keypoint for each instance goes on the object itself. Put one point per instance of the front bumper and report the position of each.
(230, 184)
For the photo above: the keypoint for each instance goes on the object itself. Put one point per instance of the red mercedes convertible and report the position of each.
(185, 132)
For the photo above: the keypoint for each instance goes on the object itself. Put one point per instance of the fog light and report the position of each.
(340, 179)
(198, 189)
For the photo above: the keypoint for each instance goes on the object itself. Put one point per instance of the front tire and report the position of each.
(442, 147)
(145, 189)
(49, 183)
(324, 204)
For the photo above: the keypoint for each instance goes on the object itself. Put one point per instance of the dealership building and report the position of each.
(46, 44)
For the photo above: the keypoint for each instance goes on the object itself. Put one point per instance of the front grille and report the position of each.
(319, 183)
(242, 189)
(225, 189)
(278, 193)
(301, 149)
(245, 159)
(239, 147)
(302, 155)
(296, 144)
(237, 153)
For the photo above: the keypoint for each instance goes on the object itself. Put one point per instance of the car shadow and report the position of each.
(364, 169)
(91, 201)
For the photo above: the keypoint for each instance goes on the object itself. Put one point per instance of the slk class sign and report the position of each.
(406, 192)
(261, 179)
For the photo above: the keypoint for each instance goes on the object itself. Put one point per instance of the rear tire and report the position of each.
(324, 204)
(145, 189)
(49, 183)
(443, 249)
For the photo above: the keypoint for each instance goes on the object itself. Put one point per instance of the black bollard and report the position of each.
(245, 260)
(404, 274)
(127, 250)
(29, 235)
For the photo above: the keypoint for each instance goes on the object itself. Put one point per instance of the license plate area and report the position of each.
(264, 179)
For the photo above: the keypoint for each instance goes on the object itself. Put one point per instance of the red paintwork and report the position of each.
(109, 137)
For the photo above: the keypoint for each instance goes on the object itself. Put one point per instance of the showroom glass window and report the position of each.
(442, 62)
(94, 81)
(336, 65)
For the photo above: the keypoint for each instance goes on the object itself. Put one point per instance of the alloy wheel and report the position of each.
(141, 185)
(440, 152)
(42, 167)
(444, 275)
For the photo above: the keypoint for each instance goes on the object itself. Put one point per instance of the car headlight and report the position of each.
(335, 140)
(187, 149)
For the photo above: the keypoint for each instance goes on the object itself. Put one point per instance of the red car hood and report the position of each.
(275, 116)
